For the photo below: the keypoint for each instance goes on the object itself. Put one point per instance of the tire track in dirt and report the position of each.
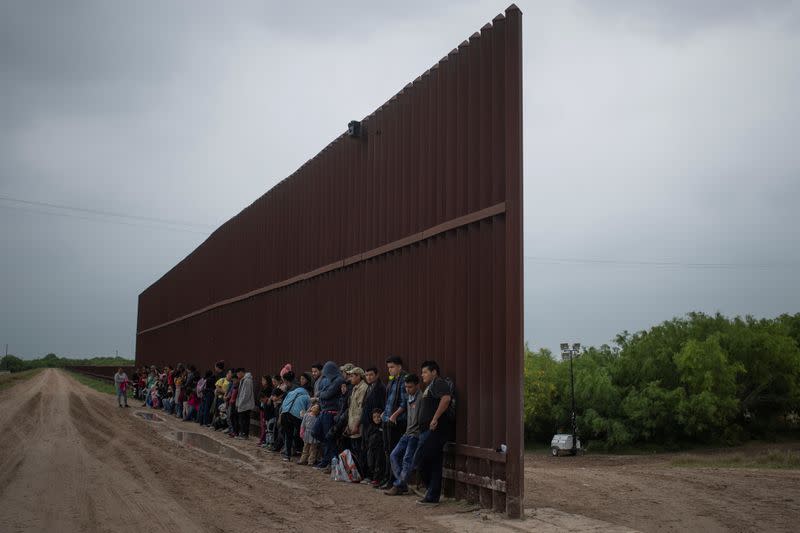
(22, 424)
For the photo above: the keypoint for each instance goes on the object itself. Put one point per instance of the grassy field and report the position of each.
(9, 380)
(779, 459)
(95, 383)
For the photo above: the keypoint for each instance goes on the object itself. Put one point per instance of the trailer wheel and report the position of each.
(554, 451)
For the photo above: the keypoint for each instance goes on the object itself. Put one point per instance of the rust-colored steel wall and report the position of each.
(407, 241)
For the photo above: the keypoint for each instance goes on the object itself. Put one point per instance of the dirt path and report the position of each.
(70, 460)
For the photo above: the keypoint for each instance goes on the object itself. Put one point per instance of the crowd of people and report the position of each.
(395, 431)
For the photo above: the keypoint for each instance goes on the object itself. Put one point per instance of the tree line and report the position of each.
(695, 379)
(12, 363)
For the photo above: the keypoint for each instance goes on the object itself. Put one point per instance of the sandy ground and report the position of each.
(648, 493)
(70, 460)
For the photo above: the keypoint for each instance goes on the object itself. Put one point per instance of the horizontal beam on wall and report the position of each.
(375, 252)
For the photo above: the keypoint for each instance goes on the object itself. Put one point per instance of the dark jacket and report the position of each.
(329, 387)
(375, 399)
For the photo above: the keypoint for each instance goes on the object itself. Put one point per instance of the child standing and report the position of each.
(375, 455)
(263, 402)
(310, 444)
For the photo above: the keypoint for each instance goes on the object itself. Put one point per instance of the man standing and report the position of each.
(245, 402)
(121, 384)
(330, 391)
(403, 454)
(394, 415)
(316, 373)
(355, 410)
(435, 426)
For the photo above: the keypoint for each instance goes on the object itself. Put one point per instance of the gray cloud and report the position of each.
(654, 131)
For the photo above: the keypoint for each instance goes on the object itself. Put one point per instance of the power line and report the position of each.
(108, 213)
(666, 264)
(95, 219)
(163, 223)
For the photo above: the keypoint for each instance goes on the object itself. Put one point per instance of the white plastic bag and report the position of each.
(347, 464)
(338, 473)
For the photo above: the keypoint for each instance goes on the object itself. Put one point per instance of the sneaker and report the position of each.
(321, 466)
(427, 502)
(420, 490)
(395, 491)
(285, 459)
(384, 486)
(375, 484)
(366, 481)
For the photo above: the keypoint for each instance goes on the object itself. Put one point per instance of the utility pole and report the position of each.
(572, 353)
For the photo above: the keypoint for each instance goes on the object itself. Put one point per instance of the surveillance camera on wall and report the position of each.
(354, 129)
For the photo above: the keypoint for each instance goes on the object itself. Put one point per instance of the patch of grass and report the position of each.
(777, 459)
(9, 380)
(100, 385)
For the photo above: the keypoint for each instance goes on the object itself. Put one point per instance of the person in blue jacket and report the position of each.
(330, 385)
(294, 404)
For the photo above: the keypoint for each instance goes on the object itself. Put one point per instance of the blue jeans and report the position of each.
(330, 450)
(206, 408)
(429, 459)
(401, 459)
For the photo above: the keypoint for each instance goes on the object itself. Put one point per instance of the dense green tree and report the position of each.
(698, 378)
(709, 403)
(540, 393)
(11, 363)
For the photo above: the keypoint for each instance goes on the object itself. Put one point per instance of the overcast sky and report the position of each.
(662, 161)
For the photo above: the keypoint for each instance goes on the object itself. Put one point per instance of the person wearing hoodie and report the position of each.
(245, 402)
(294, 405)
(329, 394)
(374, 399)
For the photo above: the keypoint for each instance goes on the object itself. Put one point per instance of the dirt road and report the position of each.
(70, 460)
